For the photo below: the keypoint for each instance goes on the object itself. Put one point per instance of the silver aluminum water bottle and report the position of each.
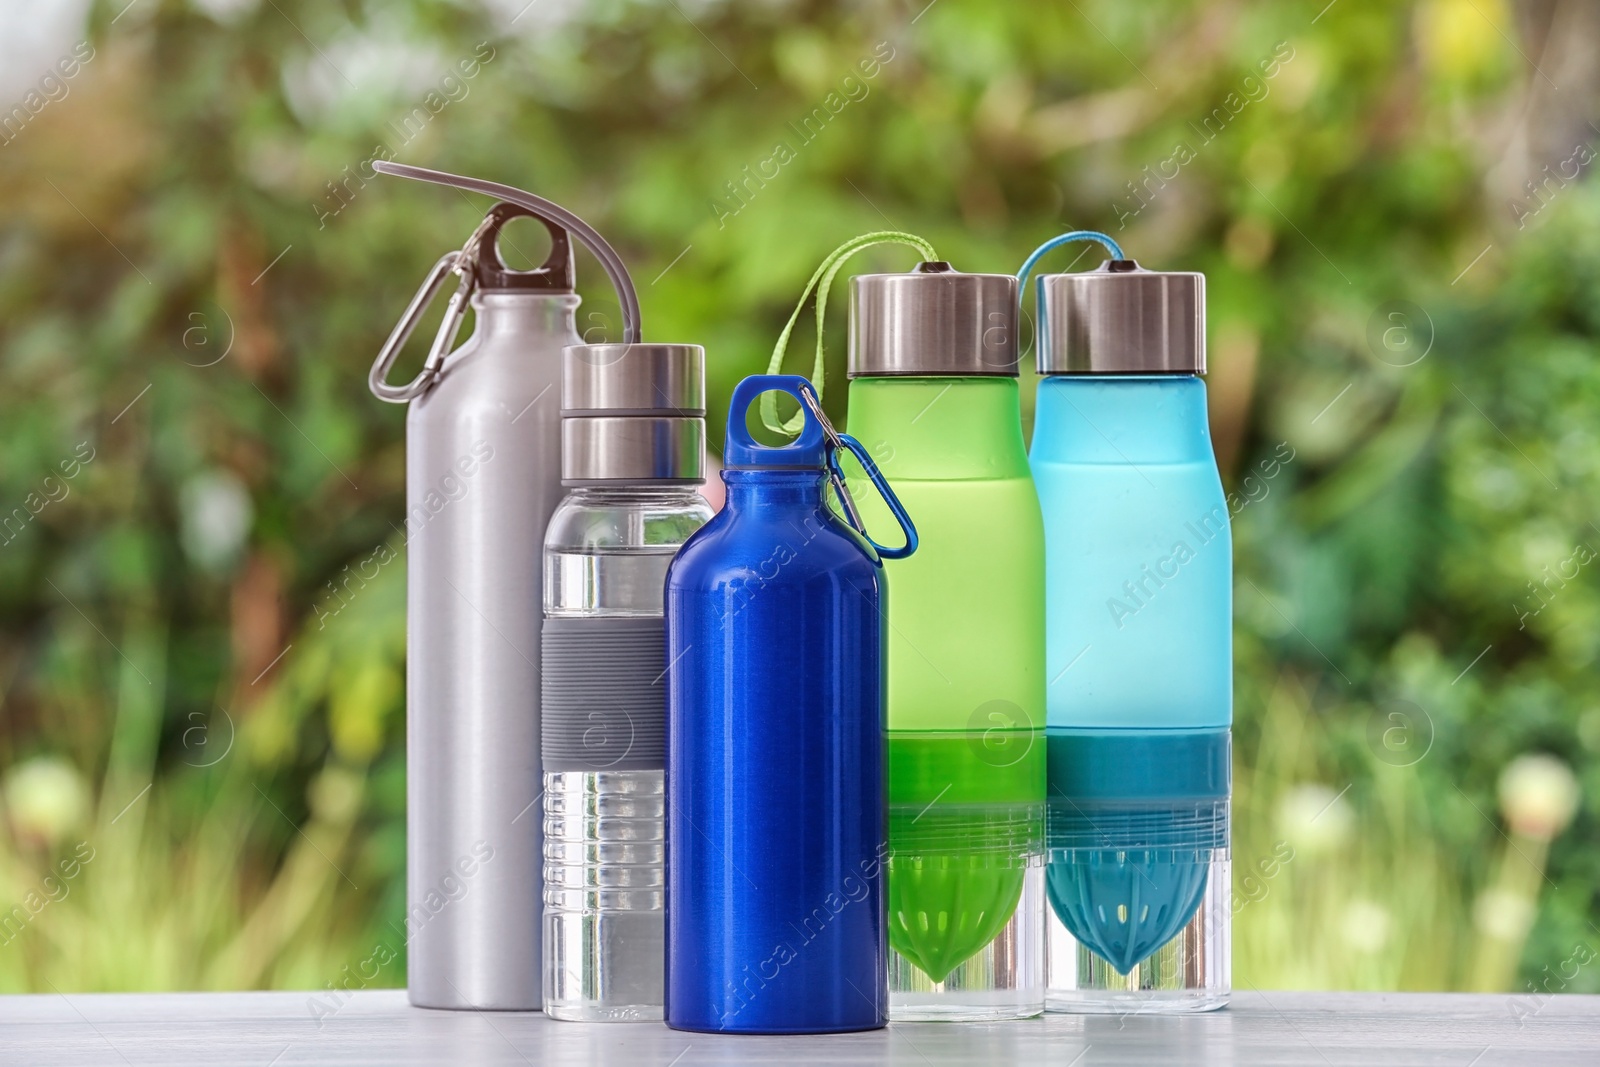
(482, 479)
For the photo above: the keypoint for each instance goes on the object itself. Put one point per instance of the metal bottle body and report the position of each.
(775, 767)
(606, 556)
(482, 479)
(1139, 586)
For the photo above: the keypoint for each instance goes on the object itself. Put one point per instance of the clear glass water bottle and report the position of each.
(633, 456)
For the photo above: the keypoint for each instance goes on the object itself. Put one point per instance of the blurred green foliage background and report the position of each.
(1394, 208)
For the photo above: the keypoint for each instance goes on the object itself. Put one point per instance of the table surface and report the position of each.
(378, 1027)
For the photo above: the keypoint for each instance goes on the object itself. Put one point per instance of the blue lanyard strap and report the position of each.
(1066, 238)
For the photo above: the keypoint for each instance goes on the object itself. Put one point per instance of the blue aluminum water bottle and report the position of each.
(775, 746)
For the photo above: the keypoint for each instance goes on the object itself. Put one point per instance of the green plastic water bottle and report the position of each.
(934, 399)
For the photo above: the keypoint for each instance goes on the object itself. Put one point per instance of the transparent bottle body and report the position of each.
(606, 555)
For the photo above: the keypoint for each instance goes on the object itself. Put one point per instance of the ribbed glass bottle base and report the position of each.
(604, 968)
(604, 927)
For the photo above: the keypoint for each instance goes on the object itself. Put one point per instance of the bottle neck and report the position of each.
(647, 493)
(940, 428)
(524, 314)
(1122, 420)
(797, 488)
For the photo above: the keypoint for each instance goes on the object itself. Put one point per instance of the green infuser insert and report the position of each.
(958, 861)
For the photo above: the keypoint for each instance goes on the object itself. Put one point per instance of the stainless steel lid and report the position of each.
(641, 379)
(933, 321)
(632, 449)
(633, 413)
(1122, 319)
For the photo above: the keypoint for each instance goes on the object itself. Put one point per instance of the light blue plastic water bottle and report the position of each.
(1139, 584)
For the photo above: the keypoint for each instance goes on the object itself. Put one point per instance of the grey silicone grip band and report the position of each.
(603, 695)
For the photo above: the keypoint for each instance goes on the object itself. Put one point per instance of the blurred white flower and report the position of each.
(1503, 915)
(335, 794)
(1314, 818)
(363, 73)
(1544, 546)
(34, 36)
(1495, 485)
(226, 12)
(1366, 926)
(45, 797)
(216, 517)
(541, 21)
(1538, 795)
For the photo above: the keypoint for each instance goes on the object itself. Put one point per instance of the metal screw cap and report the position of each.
(933, 321)
(633, 413)
(1122, 319)
(639, 379)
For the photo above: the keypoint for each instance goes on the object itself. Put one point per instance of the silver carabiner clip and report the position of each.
(454, 313)
(835, 443)
(462, 263)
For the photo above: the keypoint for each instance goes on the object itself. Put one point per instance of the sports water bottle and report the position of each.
(1139, 574)
(633, 455)
(775, 748)
(933, 395)
(482, 478)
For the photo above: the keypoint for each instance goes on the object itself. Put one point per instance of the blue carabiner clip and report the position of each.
(856, 449)
(835, 442)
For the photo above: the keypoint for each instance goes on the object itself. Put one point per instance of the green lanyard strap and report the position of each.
(822, 281)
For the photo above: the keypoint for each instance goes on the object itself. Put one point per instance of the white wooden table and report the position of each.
(280, 1030)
